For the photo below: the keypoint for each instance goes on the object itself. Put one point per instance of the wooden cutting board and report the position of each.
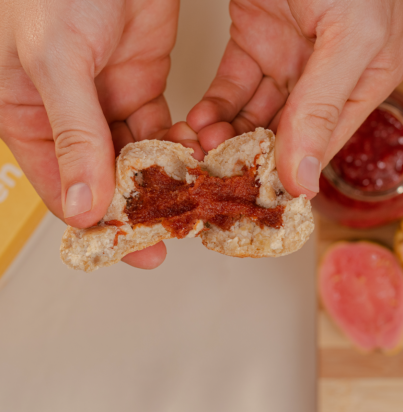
(348, 380)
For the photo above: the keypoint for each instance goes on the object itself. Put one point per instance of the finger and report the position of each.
(273, 125)
(212, 136)
(151, 121)
(148, 258)
(27, 132)
(121, 136)
(262, 108)
(236, 82)
(82, 137)
(183, 134)
(258, 112)
(313, 108)
(124, 88)
(38, 161)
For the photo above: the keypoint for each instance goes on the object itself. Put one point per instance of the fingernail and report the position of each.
(78, 200)
(308, 173)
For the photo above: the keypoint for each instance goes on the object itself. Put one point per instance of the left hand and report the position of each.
(78, 80)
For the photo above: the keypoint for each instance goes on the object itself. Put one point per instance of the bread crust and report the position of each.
(104, 245)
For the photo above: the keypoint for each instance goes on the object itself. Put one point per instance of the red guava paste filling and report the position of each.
(362, 288)
(178, 205)
(120, 232)
(372, 160)
(117, 223)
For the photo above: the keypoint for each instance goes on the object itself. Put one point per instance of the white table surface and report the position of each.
(202, 333)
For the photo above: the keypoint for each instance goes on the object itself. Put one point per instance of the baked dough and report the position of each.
(89, 249)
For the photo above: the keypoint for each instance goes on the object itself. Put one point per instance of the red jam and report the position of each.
(372, 160)
(178, 205)
(361, 186)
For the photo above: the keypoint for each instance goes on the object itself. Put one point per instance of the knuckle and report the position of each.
(72, 146)
(372, 40)
(39, 60)
(10, 126)
(342, 26)
(390, 66)
(377, 25)
(217, 104)
(35, 46)
(323, 117)
(246, 122)
(47, 56)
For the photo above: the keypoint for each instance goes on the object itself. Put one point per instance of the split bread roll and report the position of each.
(115, 236)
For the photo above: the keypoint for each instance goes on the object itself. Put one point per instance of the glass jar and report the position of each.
(362, 186)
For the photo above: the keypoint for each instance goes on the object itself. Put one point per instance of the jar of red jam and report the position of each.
(362, 186)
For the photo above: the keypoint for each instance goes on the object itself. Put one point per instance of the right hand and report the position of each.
(68, 71)
(311, 70)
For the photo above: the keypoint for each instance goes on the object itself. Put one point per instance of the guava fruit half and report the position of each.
(361, 287)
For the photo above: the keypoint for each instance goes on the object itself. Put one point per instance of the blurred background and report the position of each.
(204, 332)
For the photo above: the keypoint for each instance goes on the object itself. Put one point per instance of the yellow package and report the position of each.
(21, 209)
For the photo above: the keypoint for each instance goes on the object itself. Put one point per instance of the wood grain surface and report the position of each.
(349, 380)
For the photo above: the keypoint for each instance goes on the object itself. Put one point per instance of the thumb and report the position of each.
(83, 143)
(314, 106)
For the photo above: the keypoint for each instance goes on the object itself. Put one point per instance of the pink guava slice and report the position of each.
(361, 286)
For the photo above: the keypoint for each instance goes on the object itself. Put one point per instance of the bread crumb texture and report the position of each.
(104, 245)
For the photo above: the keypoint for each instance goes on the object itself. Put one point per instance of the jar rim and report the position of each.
(357, 194)
(389, 105)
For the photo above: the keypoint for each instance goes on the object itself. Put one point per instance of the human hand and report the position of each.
(68, 70)
(310, 70)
